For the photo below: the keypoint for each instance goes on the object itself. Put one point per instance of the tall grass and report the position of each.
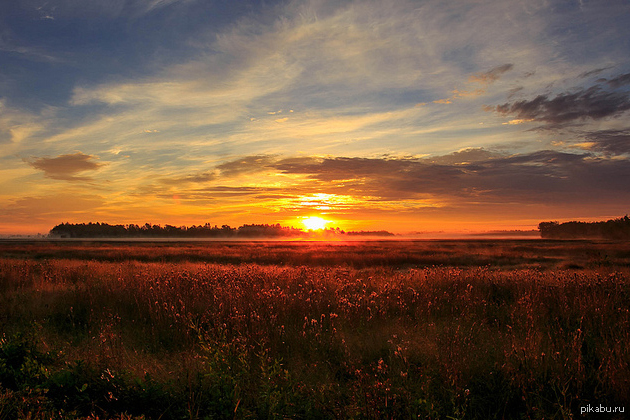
(199, 340)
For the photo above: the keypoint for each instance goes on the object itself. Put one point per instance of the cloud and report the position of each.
(350, 59)
(468, 176)
(10, 43)
(517, 121)
(616, 142)
(5, 136)
(593, 103)
(112, 9)
(16, 125)
(245, 165)
(593, 72)
(465, 156)
(195, 178)
(483, 79)
(224, 191)
(619, 81)
(527, 178)
(491, 75)
(352, 71)
(64, 167)
(466, 181)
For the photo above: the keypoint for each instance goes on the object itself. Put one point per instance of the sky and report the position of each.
(399, 115)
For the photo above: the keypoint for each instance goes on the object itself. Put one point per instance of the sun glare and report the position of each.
(314, 223)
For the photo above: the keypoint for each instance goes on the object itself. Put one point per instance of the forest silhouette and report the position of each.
(105, 230)
(614, 229)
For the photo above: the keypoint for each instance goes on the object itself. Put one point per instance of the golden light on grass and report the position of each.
(315, 223)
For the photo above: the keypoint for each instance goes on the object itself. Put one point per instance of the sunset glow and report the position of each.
(315, 223)
(407, 116)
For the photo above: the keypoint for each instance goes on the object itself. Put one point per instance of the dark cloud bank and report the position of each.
(595, 103)
(469, 176)
(616, 142)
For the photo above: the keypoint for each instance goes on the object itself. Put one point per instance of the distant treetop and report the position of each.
(105, 230)
(615, 229)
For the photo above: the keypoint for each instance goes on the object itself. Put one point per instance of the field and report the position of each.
(475, 329)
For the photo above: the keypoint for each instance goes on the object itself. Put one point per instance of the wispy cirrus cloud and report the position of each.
(245, 165)
(477, 84)
(342, 63)
(491, 75)
(65, 9)
(16, 125)
(10, 43)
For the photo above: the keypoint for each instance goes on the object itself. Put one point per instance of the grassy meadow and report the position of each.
(475, 329)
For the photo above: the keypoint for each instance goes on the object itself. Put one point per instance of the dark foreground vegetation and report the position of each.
(167, 331)
(105, 230)
(615, 229)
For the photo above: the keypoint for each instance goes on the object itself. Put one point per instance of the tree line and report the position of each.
(105, 230)
(616, 229)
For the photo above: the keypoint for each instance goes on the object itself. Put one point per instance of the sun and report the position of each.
(315, 223)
